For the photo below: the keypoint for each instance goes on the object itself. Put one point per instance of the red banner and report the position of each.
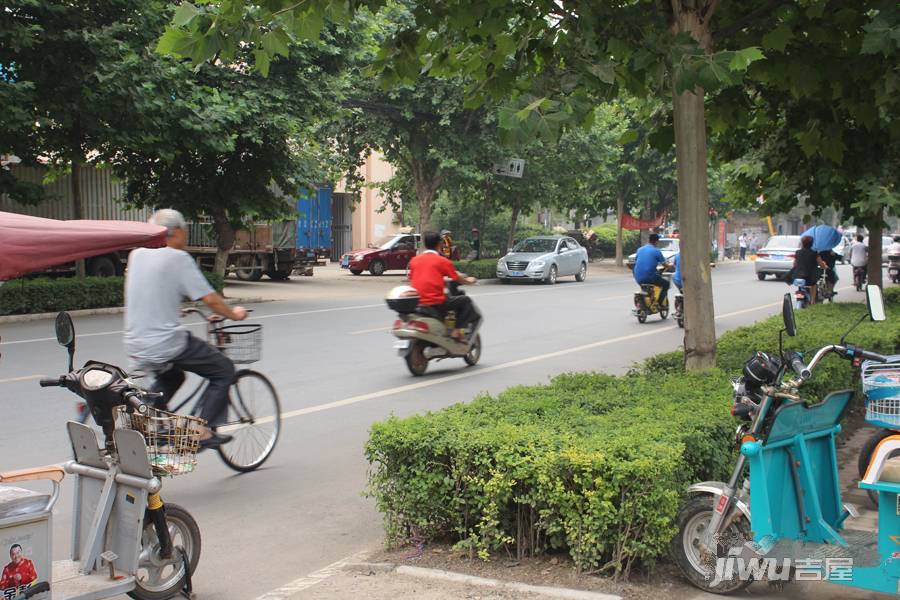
(629, 222)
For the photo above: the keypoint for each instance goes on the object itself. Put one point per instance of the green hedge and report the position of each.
(606, 240)
(24, 296)
(593, 464)
(485, 268)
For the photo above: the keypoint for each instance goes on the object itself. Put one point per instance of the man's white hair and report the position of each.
(170, 219)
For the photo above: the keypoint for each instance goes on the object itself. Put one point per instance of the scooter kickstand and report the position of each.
(187, 590)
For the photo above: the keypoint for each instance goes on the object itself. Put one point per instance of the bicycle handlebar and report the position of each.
(802, 370)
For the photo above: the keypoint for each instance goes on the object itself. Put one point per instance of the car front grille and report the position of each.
(517, 265)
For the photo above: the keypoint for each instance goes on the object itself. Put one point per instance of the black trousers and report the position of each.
(466, 313)
(207, 362)
(661, 282)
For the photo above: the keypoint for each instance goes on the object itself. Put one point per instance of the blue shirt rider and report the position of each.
(646, 260)
(676, 278)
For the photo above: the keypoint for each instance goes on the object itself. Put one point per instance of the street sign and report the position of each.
(511, 167)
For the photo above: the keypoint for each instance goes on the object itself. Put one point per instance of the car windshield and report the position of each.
(536, 245)
(784, 241)
(385, 242)
(668, 245)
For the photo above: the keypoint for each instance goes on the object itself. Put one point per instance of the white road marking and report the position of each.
(492, 369)
(373, 330)
(22, 378)
(289, 589)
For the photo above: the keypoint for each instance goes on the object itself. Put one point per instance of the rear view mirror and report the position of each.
(787, 314)
(876, 303)
(65, 329)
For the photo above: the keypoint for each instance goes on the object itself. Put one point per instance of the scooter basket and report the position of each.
(881, 385)
(172, 440)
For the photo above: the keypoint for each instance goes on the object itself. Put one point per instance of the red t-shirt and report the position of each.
(25, 571)
(426, 274)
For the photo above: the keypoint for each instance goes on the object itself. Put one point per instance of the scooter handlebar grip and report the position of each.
(134, 401)
(50, 382)
(874, 356)
(800, 368)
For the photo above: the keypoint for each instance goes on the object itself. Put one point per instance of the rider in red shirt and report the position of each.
(427, 272)
(20, 571)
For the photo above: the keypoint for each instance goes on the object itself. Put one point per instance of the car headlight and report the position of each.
(538, 264)
(358, 257)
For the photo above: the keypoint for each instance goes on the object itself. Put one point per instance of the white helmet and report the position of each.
(402, 291)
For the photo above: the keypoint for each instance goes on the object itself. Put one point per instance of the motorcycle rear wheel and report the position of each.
(416, 361)
(692, 520)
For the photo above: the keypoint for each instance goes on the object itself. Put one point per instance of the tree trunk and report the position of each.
(224, 241)
(620, 210)
(77, 208)
(693, 204)
(517, 208)
(875, 270)
(426, 182)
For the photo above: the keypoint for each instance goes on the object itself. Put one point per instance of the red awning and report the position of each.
(629, 222)
(29, 244)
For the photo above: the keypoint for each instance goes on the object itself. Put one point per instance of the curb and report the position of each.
(450, 576)
(111, 310)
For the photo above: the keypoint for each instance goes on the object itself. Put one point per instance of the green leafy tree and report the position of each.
(827, 134)
(558, 58)
(57, 92)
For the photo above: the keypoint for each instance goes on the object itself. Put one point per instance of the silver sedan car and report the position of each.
(544, 258)
(777, 256)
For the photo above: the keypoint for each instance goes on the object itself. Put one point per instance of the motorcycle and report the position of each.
(859, 278)
(424, 333)
(802, 294)
(679, 310)
(125, 540)
(894, 267)
(787, 511)
(647, 302)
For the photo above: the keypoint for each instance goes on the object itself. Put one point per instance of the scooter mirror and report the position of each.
(876, 303)
(65, 330)
(787, 314)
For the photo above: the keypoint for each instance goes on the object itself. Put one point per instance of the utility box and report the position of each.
(25, 541)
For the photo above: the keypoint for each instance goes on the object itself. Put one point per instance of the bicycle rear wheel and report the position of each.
(254, 421)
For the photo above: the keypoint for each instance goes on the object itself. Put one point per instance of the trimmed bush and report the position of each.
(485, 268)
(24, 296)
(593, 464)
(606, 240)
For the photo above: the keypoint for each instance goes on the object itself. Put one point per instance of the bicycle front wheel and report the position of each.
(254, 421)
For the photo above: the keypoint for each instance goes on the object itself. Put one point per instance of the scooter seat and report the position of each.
(430, 311)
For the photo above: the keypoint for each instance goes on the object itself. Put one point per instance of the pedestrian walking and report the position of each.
(742, 244)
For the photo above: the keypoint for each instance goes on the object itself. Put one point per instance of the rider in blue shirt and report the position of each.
(647, 259)
(676, 278)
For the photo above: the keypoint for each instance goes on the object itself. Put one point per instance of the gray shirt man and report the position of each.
(157, 282)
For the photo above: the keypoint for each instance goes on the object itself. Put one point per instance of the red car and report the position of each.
(392, 252)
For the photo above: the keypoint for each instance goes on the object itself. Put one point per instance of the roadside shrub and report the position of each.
(606, 240)
(590, 463)
(485, 268)
(25, 296)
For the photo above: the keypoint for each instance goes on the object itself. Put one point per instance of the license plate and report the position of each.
(345, 262)
(517, 274)
(401, 345)
(778, 257)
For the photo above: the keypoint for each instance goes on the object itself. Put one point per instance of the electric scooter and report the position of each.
(647, 302)
(124, 539)
(787, 511)
(424, 332)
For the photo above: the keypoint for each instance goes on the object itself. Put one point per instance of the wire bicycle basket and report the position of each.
(172, 440)
(881, 385)
(240, 343)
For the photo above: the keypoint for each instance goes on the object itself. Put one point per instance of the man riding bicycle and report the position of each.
(156, 282)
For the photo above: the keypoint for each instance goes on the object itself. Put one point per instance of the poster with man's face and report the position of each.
(24, 559)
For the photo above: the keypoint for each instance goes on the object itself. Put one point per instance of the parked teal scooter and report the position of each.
(785, 518)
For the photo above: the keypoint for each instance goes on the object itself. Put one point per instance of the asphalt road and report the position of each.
(336, 373)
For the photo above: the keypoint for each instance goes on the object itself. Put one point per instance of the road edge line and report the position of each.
(541, 590)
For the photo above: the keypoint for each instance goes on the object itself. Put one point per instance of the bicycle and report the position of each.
(253, 416)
